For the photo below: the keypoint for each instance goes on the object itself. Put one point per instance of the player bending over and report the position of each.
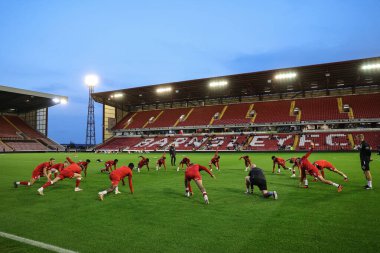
(307, 166)
(293, 161)
(40, 171)
(215, 161)
(142, 162)
(108, 165)
(184, 161)
(247, 162)
(193, 173)
(280, 163)
(161, 162)
(84, 165)
(57, 168)
(323, 164)
(115, 177)
(71, 171)
(256, 177)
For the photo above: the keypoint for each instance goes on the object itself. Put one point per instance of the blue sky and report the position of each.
(50, 45)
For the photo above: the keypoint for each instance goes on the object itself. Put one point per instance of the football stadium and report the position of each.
(280, 160)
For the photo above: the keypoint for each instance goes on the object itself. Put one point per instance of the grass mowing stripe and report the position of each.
(35, 243)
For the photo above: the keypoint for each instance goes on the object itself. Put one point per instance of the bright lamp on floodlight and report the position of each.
(91, 80)
(56, 100)
(282, 76)
(373, 66)
(63, 101)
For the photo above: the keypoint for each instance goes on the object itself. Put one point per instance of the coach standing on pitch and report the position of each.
(365, 158)
(172, 153)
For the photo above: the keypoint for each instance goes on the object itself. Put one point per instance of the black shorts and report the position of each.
(365, 165)
(262, 184)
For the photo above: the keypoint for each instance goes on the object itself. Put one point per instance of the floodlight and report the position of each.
(118, 95)
(288, 75)
(220, 83)
(91, 80)
(56, 100)
(63, 101)
(372, 66)
(164, 89)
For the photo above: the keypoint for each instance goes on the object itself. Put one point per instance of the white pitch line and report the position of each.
(36, 243)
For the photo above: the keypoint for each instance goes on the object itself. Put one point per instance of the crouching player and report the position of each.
(247, 162)
(280, 163)
(256, 177)
(72, 171)
(108, 165)
(142, 162)
(184, 161)
(215, 161)
(307, 166)
(161, 162)
(323, 164)
(115, 177)
(193, 173)
(40, 171)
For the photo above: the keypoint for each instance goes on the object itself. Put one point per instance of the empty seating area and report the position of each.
(6, 129)
(201, 116)
(169, 117)
(24, 127)
(118, 143)
(140, 119)
(273, 111)
(320, 109)
(27, 146)
(234, 114)
(364, 106)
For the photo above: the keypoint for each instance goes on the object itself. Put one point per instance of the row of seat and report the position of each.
(254, 142)
(311, 109)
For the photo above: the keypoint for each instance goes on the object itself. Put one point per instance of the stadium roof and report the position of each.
(325, 76)
(15, 100)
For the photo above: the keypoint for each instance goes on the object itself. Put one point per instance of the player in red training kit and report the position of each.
(215, 161)
(108, 165)
(84, 165)
(193, 173)
(323, 164)
(142, 162)
(247, 162)
(115, 177)
(307, 166)
(40, 171)
(184, 161)
(72, 171)
(57, 168)
(293, 161)
(280, 163)
(161, 162)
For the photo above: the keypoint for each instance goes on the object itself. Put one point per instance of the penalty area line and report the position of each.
(36, 243)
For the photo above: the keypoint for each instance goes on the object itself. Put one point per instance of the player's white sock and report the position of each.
(246, 168)
(177, 168)
(370, 184)
(279, 170)
(335, 184)
(306, 182)
(156, 167)
(138, 170)
(103, 192)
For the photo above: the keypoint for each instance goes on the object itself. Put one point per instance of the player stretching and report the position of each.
(323, 164)
(306, 166)
(115, 177)
(256, 177)
(84, 165)
(56, 168)
(280, 163)
(161, 162)
(247, 162)
(215, 161)
(71, 171)
(365, 158)
(108, 166)
(193, 173)
(142, 162)
(40, 171)
(184, 161)
(293, 161)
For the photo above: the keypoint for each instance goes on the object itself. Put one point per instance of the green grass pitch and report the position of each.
(159, 218)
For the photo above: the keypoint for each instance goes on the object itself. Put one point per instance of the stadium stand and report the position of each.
(201, 116)
(169, 118)
(235, 114)
(273, 111)
(320, 109)
(364, 106)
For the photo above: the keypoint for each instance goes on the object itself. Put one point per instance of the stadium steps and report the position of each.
(147, 122)
(249, 110)
(220, 116)
(130, 120)
(187, 115)
(4, 146)
(292, 106)
(351, 141)
(296, 141)
(247, 143)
